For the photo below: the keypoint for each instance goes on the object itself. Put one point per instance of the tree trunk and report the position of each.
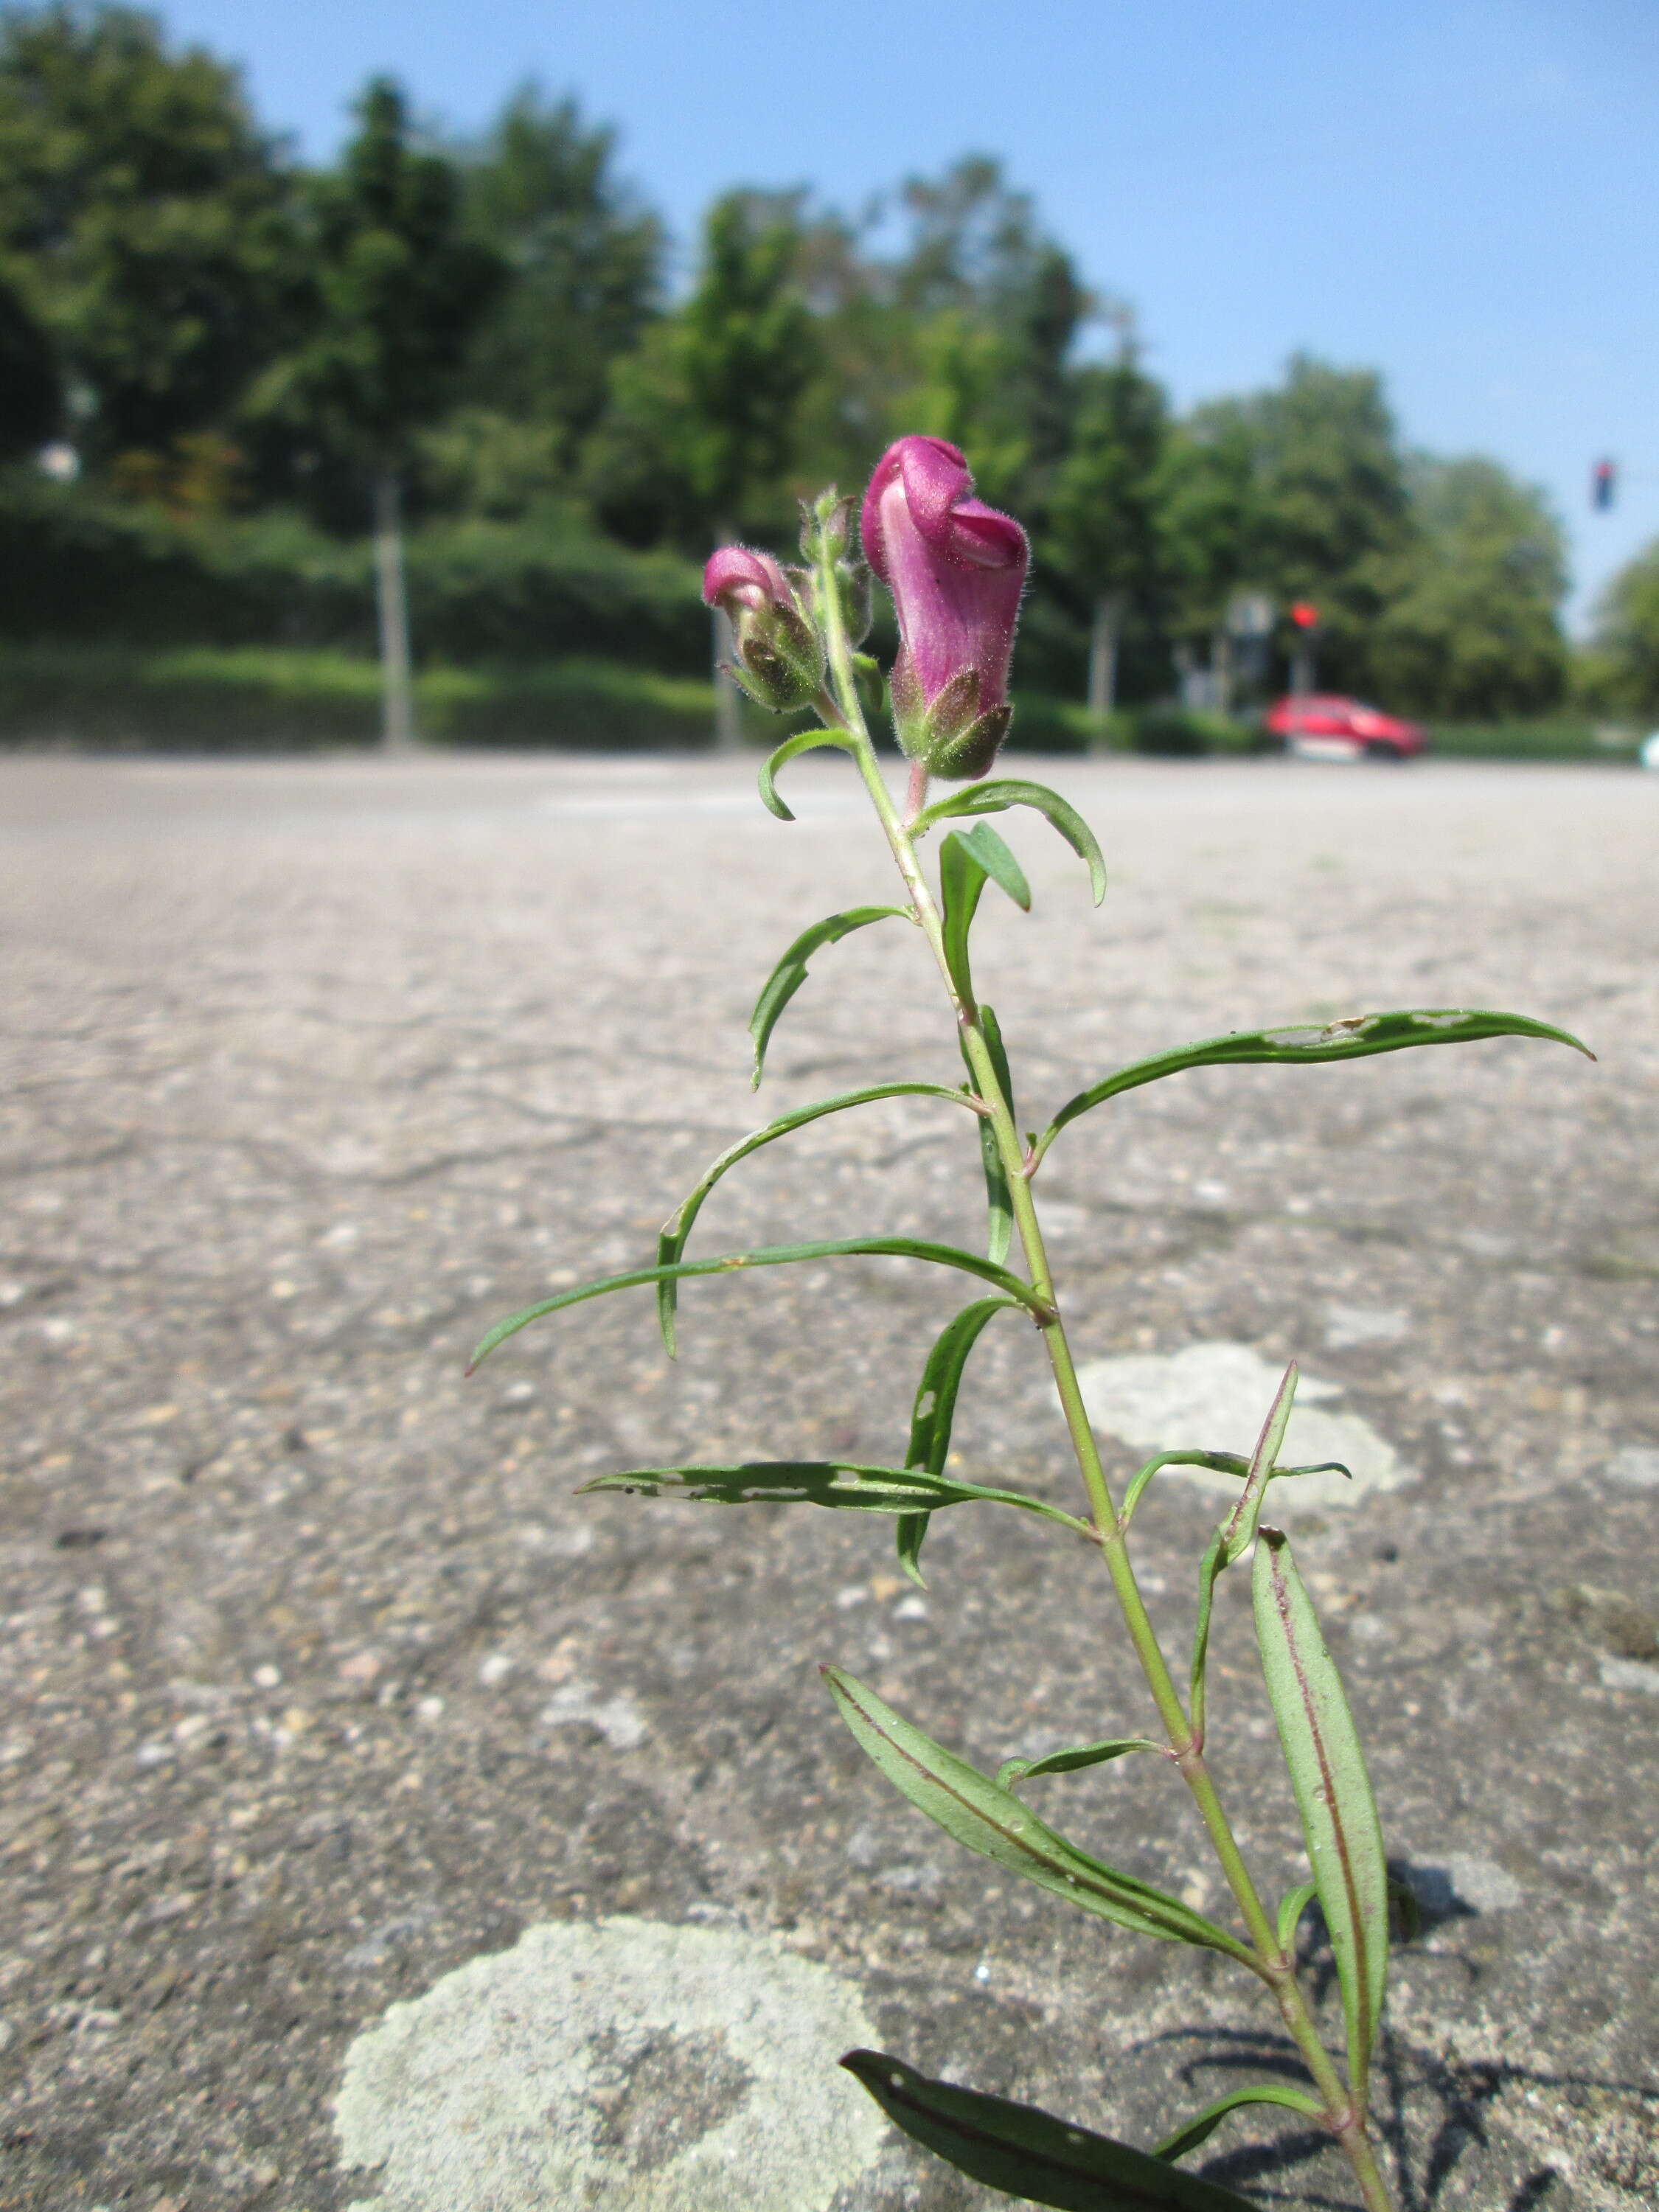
(1103, 636)
(728, 700)
(397, 690)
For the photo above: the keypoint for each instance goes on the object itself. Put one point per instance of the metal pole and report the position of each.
(397, 688)
(1103, 664)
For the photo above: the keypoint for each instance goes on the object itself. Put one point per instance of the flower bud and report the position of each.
(779, 654)
(826, 523)
(957, 569)
(852, 581)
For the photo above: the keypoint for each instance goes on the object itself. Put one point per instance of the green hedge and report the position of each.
(1549, 737)
(73, 566)
(208, 699)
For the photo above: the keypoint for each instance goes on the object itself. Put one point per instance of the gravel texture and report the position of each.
(320, 1683)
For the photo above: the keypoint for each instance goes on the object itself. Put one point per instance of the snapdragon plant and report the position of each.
(957, 569)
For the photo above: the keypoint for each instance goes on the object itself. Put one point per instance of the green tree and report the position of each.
(143, 219)
(586, 264)
(1626, 647)
(1299, 491)
(992, 307)
(703, 427)
(30, 395)
(398, 290)
(1103, 531)
(1470, 622)
(1212, 543)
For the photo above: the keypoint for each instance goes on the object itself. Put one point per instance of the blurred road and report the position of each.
(319, 1682)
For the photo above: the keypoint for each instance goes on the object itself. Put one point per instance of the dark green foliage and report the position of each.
(31, 391)
(1627, 637)
(585, 264)
(209, 324)
(1023, 2151)
(397, 288)
(1102, 534)
(703, 422)
(1469, 625)
(143, 219)
(77, 565)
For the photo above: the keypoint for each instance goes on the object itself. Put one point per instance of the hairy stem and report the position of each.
(1345, 2120)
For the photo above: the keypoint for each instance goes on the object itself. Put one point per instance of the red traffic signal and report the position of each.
(1604, 481)
(1304, 616)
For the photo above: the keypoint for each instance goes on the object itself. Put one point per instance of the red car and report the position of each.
(1323, 728)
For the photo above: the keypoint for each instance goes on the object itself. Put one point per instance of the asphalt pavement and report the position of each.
(320, 1685)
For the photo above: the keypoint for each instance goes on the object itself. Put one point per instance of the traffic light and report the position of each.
(1304, 615)
(1604, 482)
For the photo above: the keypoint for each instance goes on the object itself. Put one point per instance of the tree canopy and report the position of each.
(207, 321)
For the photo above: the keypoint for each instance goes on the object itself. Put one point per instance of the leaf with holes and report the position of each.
(971, 1809)
(1027, 2153)
(676, 1230)
(848, 1485)
(1333, 1792)
(1356, 1038)
(787, 978)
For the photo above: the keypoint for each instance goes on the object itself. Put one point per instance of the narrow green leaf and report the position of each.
(998, 862)
(1068, 1762)
(995, 797)
(1024, 2151)
(1217, 1463)
(934, 1410)
(961, 881)
(983, 1818)
(1356, 1038)
(1332, 1793)
(935, 1406)
(1203, 2125)
(803, 741)
(1209, 1573)
(787, 978)
(991, 1029)
(999, 1205)
(1238, 1531)
(676, 1230)
(1291, 1906)
(847, 1484)
(769, 1255)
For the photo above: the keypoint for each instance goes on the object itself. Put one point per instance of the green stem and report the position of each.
(1346, 2122)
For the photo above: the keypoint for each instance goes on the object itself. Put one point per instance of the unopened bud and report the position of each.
(857, 610)
(826, 525)
(779, 655)
(955, 569)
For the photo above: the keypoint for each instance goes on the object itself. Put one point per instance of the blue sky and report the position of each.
(1460, 194)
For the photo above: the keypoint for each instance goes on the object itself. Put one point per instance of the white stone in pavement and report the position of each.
(1214, 1397)
(1635, 1467)
(627, 2064)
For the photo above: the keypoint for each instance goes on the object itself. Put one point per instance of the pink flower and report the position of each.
(955, 569)
(778, 653)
